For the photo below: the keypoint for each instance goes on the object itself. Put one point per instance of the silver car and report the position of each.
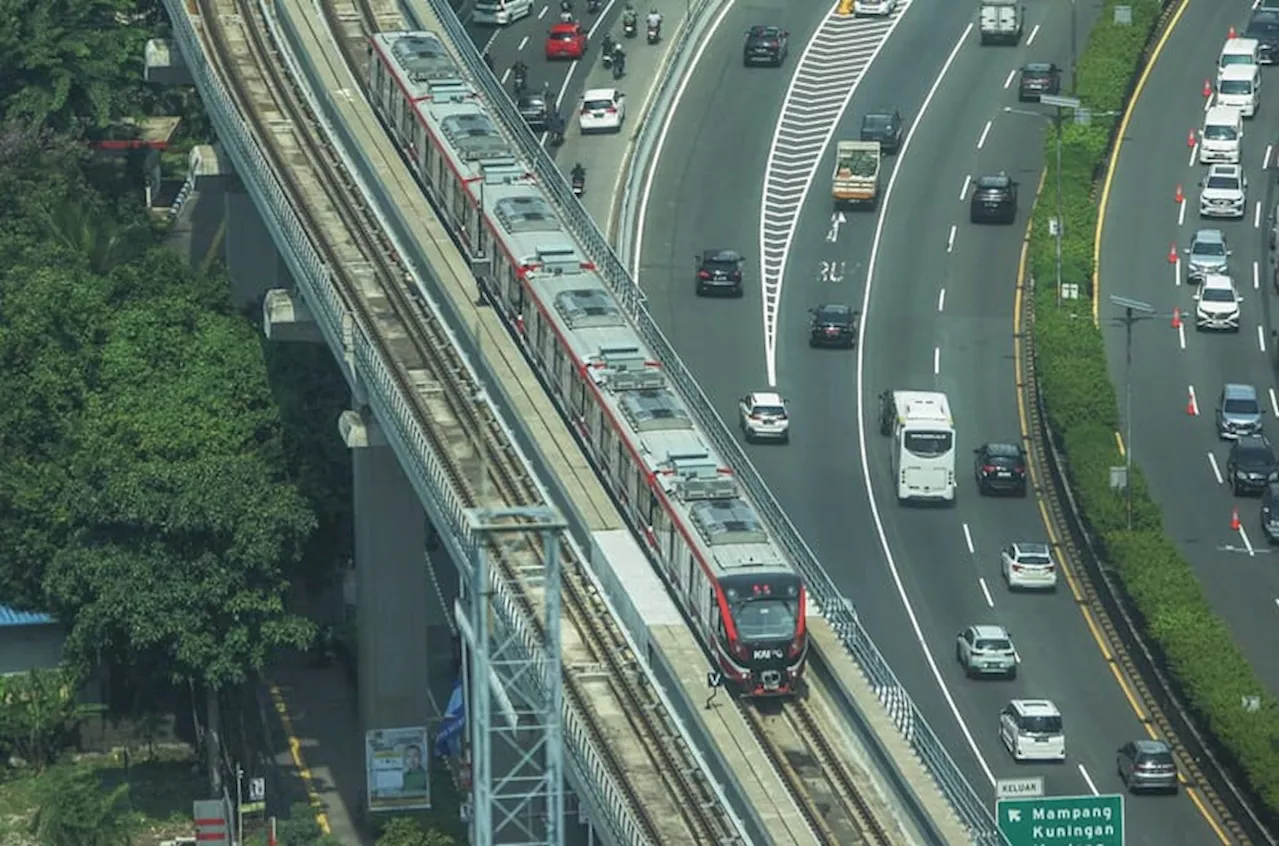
(987, 651)
(1147, 765)
(1222, 193)
(1239, 411)
(1208, 252)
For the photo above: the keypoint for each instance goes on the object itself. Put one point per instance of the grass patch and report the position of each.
(162, 785)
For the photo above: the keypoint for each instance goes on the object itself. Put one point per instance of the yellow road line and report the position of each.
(1025, 428)
(295, 750)
(1115, 151)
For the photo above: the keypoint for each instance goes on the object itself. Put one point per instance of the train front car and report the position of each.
(765, 636)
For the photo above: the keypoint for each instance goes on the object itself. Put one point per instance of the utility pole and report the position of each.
(1134, 310)
(1074, 54)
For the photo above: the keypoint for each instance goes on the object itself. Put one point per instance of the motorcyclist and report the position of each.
(520, 72)
(619, 61)
(606, 45)
(578, 176)
(629, 15)
(566, 11)
(653, 20)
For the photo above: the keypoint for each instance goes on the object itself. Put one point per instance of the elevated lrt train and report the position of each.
(745, 601)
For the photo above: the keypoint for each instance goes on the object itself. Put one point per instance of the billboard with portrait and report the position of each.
(396, 762)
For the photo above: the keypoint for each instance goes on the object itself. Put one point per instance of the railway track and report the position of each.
(823, 786)
(381, 294)
(384, 300)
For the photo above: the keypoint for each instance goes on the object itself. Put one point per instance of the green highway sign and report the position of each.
(1062, 820)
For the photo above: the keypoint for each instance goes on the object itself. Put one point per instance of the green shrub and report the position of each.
(1082, 414)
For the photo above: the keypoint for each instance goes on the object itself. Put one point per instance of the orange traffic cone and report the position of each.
(1178, 196)
(1208, 88)
(1173, 254)
(1231, 32)
(1191, 137)
(1176, 323)
(1235, 519)
(1192, 410)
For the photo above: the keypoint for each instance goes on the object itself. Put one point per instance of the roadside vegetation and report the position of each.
(1191, 641)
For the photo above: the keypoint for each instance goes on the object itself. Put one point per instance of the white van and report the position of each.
(1238, 87)
(1220, 137)
(1238, 51)
(501, 12)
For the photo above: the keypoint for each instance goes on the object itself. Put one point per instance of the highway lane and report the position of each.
(818, 478)
(1183, 460)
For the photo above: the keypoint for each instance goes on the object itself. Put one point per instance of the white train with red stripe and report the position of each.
(745, 600)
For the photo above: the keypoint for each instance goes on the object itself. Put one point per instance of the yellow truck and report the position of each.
(856, 181)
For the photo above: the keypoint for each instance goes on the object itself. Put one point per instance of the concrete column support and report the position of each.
(286, 318)
(395, 597)
(164, 63)
(253, 263)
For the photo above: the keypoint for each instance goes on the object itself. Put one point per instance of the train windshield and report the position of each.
(764, 609)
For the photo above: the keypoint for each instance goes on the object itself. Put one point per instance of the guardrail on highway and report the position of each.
(836, 608)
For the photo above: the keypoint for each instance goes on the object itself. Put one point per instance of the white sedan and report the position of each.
(874, 7)
(763, 417)
(603, 110)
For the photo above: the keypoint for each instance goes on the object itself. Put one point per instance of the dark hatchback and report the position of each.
(1038, 78)
(535, 109)
(833, 325)
(765, 45)
(1000, 468)
(1251, 465)
(884, 126)
(1265, 27)
(994, 199)
(1270, 512)
(719, 272)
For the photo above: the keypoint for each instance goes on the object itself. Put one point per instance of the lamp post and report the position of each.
(1073, 47)
(1134, 310)
(1060, 104)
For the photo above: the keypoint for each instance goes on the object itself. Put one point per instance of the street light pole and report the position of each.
(1134, 310)
(1073, 47)
(1057, 246)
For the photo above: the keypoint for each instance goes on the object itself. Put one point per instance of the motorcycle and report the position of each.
(578, 181)
(519, 79)
(593, 7)
(629, 28)
(606, 51)
(653, 33)
(619, 65)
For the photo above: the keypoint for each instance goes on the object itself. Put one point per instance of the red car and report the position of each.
(566, 41)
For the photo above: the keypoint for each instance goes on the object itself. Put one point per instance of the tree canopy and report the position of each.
(144, 494)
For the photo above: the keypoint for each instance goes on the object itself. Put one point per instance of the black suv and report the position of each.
(1000, 468)
(883, 126)
(1270, 512)
(766, 45)
(1251, 465)
(994, 199)
(719, 272)
(535, 109)
(833, 325)
(1038, 78)
(1265, 27)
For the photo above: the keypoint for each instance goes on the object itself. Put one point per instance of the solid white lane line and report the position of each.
(1275, 401)
(986, 593)
(506, 74)
(951, 238)
(1084, 774)
(1266, 157)
(542, 13)
(986, 130)
(1182, 211)
(1008, 80)
(942, 298)
(1257, 215)
(1213, 465)
(1262, 339)
(1195, 148)
(881, 533)
(964, 189)
(968, 538)
(937, 360)
(1182, 334)
(1031, 39)
(1255, 276)
(1244, 536)
(523, 43)
(1177, 272)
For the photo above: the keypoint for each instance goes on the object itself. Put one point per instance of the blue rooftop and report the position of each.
(10, 618)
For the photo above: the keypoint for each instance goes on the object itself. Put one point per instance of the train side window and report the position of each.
(540, 342)
(441, 170)
(623, 467)
(578, 396)
(654, 515)
(403, 119)
(693, 571)
(418, 139)
(462, 210)
(640, 491)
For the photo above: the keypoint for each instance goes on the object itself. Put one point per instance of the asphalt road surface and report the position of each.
(1181, 456)
(939, 316)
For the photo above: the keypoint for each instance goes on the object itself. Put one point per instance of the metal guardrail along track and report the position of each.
(1046, 466)
(405, 329)
(824, 790)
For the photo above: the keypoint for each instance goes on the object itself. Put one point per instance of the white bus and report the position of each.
(924, 444)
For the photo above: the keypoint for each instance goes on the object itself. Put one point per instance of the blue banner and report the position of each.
(449, 738)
